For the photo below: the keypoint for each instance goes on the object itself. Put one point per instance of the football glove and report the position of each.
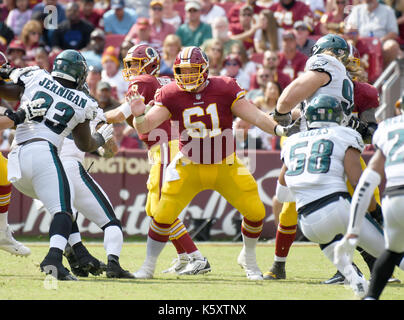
(5, 71)
(345, 249)
(106, 131)
(283, 119)
(33, 109)
(16, 73)
(287, 131)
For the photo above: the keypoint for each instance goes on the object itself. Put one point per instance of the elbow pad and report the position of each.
(368, 182)
(284, 194)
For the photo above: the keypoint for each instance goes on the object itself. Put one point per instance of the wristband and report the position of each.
(125, 109)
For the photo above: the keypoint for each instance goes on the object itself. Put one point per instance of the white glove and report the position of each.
(345, 249)
(91, 112)
(33, 109)
(106, 131)
(17, 73)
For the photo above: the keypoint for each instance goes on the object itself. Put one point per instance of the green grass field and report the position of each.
(20, 278)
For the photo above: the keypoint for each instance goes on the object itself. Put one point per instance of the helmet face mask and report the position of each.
(191, 69)
(334, 43)
(72, 66)
(141, 59)
(324, 111)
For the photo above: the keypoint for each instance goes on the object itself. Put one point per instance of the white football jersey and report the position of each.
(340, 85)
(389, 138)
(66, 108)
(315, 161)
(69, 148)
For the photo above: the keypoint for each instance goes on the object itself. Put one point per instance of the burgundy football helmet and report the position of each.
(191, 68)
(141, 59)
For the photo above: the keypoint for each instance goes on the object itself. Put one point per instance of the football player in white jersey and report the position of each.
(91, 201)
(387, 162)
(316, 163)
(34, 166)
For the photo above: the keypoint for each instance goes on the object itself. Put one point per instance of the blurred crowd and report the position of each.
(264, 44)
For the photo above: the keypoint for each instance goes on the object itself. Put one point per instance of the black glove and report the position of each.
(284, 119)
(287, 131)
(18, 117)
(5, 71)
(357, 125)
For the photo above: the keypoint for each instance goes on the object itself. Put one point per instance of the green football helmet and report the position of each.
(324, 111)
(332, 42)
(71, 65)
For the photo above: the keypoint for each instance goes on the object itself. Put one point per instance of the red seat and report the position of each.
(114, 40)
(375, 58)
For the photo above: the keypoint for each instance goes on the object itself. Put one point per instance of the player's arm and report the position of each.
(6, 123)
(247, 111)
(283, 193)
(88, 142)
(363, 195)
(10, 91)
(26, 112)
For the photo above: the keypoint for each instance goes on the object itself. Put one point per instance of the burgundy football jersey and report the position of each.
(147, 85)
(366, 96)
(286, 18)
(205, 119)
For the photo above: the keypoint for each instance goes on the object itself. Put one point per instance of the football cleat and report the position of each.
(250, 266)
(393, 280)
(277, 271)
(144, 273)
(56, 269)
(177, 265)
(114, 270)
(196, 266)
(337, 278)
(9, 244)
(359, 285)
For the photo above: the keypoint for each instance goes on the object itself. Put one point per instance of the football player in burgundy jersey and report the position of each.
(204, 108)
(141, 68)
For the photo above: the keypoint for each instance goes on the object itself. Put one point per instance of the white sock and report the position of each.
(3, 220)
(58, 241)
(113, 240)
(249, 245)
(183, 256)
(153, 250)
(74, 238)
(197, 255)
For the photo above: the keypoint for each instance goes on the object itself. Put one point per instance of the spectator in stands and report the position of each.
(93, 78)
(31, 38)
(143, 34)
(171, 47)
(267, 101)
(104, 97)
(333, 21)
(211, 11)
(220, 31)
(124, 140)
(46, 36)
(60, 10)
(5, 7)
(119, 20)
(112, 74)
(170, 15)
(291, 61)
(302, 32)
(74, 32)
(19, 16)
(234, 12)
(287, 12)
(232, 68)
(193, 32)
(93, 52)
(351, 34)
(374, 19)
(262, 77)
(271, 61)
(248, 66)
(89, 13)
(214, 51)
(141, 7)
(266, 37)
(42, 59)
(16, 53)
(245, 29)
(6, 35)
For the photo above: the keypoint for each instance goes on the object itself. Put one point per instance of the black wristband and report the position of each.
(99, 139)
(18, 117)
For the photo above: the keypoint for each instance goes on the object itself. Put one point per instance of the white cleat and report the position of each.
(196, 266)
(144, 273)
(9, 244)
(250, 266)
(359, 285)
(178, 265)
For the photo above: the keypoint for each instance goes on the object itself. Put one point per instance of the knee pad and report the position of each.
(288, 215)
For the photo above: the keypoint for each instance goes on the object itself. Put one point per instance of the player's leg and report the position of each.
(236, 184)
(91, 201)
(175, 196)
(394, 246)
(7, 241)
(41, 172)
(285, 235)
